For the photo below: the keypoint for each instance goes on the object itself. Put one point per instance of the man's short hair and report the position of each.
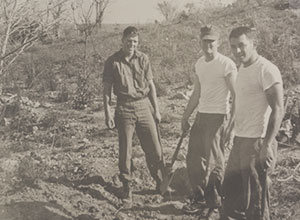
(243, 30)
(130, 31)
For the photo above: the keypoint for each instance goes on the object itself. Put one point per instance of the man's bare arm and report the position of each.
(192, 104)
(194, 100)
(107, 90)
(153, 100)
(230, 82)
(274, 97)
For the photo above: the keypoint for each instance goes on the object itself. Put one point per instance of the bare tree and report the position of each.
(21, 25)
(167, 9)
(56, 8)
(82, 18)
(100, 6)
(19, 28)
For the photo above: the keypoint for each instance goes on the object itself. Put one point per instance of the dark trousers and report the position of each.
(246, 183)
(205, 157)
(137, 116)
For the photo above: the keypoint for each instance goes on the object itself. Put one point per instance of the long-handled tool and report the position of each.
(169, 170)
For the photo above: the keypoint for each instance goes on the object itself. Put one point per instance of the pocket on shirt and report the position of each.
(139, 78)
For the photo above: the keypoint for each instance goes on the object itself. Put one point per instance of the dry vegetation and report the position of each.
(59, 162)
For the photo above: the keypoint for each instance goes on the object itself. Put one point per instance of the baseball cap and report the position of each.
(209, 33)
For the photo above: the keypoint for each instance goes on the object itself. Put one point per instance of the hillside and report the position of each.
(58, 161)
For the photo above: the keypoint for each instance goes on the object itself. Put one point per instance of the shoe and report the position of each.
(194, 206)
(127, 196)
(233, 215)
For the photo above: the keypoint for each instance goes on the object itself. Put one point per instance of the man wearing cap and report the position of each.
(259, 112)
(214, 82)
(128, 73)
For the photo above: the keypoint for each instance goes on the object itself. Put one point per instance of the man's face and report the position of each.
(129, 44)
(209, 47)
(242, 48)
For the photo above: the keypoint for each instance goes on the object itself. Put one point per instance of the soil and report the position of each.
(65, 166)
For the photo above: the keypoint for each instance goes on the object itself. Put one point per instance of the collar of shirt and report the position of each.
(136, 54)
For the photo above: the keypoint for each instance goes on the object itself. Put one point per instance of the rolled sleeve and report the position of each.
(147, 69)
(270, 76)
(230, 68)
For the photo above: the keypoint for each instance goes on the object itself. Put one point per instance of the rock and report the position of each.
(35, 129)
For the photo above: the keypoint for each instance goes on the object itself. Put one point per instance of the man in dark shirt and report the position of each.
(128, 73)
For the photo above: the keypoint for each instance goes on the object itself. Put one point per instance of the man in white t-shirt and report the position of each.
(213, 84)
(258, 115)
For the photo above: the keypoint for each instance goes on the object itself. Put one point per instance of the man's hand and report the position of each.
(157, 116)
(109, 120)
(185, 126)
(110, 123)
(266, 155)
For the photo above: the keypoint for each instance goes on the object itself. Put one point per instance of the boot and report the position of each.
(127, 196)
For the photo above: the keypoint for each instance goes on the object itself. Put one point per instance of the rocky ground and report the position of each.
(60, 164)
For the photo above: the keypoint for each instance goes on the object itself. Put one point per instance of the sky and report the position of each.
(135, 11)
(139, 11)
(132, 11)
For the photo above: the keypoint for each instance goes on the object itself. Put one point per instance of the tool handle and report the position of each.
(174, 157)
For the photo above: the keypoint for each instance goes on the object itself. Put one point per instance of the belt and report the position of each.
(129, 99)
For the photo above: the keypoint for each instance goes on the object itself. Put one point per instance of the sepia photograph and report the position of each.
(149, 109)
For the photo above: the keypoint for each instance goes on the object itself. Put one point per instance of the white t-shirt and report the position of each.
(252, 108)
(214, 91)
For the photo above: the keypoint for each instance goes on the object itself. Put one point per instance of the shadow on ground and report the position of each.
(33, 211)
(108, 186)
(84, 187)
(165, 209)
